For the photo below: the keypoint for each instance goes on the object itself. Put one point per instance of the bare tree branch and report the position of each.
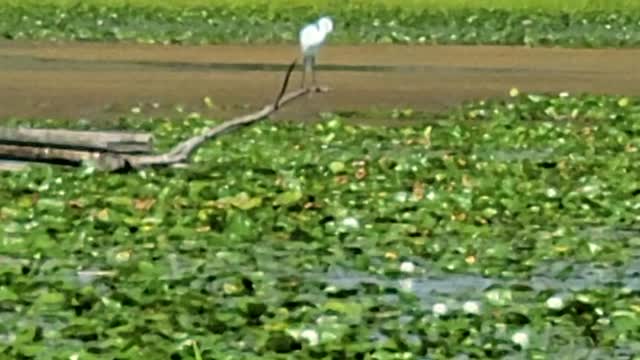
(183, 150)
(285, 83)
(110, 159)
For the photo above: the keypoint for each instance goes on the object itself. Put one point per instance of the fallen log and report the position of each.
(112, 141)
(103, 160)
(9, 165)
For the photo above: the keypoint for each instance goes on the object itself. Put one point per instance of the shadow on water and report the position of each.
(431, 287)
(427, 285)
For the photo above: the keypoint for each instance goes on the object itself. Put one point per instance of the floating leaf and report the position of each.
(288, 198)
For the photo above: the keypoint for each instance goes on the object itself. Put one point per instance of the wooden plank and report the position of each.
(12, 165)
(103, 160)
(112, 141)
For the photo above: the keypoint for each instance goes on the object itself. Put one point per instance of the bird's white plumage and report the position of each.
(312, 36)
(325, 24)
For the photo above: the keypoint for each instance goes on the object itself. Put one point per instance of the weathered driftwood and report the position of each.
(9, 165)
(112, 141)
(48, 154)
(179, 154)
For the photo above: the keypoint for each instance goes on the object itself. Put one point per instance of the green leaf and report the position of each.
(288, 198)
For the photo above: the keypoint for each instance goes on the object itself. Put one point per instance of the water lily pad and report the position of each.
(529, 208)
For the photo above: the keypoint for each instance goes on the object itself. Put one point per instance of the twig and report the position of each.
(285, 83)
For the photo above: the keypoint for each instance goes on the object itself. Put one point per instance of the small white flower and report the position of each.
(551, 192)
(555, 303)
(74, 357)
(471, 307)
(311, 336)
(520, 338)
(351, 222)
(439, 309)
(407, 267)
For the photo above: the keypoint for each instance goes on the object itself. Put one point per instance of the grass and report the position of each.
(355, 24)
(546, 5)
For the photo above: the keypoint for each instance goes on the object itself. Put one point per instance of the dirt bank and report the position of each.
(102, 81)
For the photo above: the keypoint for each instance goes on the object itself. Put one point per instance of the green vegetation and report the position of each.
(290, 239)
(548, 5)
(355, 23)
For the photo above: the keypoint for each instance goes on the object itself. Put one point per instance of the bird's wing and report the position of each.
(306, 33)
(310, 36)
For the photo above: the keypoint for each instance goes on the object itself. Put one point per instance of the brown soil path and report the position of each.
(102, 81)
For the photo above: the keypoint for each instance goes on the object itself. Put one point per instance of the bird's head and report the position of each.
(325, 24)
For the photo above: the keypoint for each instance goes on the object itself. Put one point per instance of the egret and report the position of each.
(312, 36)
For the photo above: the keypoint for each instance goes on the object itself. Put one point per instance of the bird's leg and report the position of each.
(313, 72)
(305, 68)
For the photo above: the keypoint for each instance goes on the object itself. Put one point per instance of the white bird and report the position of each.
(312, 36)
